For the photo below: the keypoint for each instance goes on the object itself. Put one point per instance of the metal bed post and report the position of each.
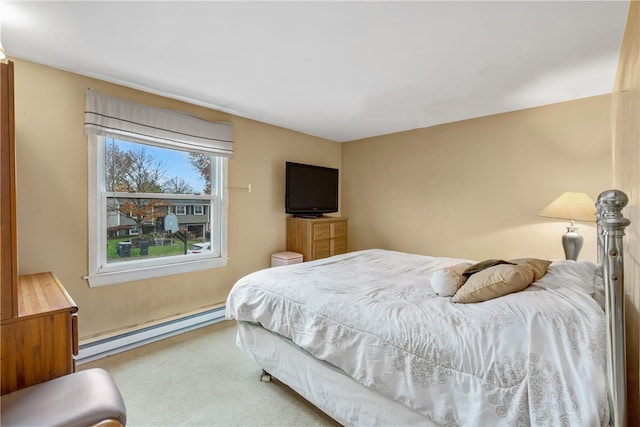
(611, 226)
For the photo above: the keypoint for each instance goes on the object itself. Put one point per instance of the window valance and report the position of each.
(118, 118)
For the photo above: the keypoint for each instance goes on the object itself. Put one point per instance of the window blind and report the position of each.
(118, 118)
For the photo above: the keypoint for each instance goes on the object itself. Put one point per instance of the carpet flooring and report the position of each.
(200, 378)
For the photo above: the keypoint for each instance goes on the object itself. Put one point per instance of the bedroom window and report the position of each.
(142, 191)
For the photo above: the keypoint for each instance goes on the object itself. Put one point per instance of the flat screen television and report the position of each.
(310, 191)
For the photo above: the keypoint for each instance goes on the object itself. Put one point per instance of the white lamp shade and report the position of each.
(571, 206)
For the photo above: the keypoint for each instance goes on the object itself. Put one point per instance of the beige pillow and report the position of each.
(473, 269)
(539, 266)
(494, 282)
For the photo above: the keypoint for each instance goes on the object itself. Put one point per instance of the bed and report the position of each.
(364, 337)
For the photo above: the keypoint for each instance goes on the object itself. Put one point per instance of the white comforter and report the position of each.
(536, 357)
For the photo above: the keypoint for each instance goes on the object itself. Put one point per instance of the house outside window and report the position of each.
(151, 201)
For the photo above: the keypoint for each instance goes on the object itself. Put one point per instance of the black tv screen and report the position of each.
(310, 191)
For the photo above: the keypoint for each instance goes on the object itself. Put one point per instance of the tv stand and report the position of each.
(317, 238)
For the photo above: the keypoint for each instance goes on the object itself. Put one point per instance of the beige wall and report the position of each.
(52, 200)
(472, 189)
(626, 157)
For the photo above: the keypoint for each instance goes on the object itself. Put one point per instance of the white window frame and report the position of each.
(198, 209)
(102, 273)
(181, 209)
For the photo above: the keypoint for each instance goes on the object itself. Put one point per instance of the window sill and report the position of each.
(116, 277)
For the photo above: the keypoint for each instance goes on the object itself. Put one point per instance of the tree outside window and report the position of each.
(143, 185)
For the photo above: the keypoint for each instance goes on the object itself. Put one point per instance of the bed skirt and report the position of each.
(336, 394)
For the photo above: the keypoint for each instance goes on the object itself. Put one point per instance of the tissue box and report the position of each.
(285, 258)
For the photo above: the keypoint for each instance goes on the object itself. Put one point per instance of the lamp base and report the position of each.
(572, 243)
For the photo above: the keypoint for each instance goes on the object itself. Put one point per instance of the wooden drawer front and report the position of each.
(42, 352)
(322, 231)
(327, 248)
(339, 229)
(338, 246)
(322, 249)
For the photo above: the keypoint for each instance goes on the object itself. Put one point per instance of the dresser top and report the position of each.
(42, 293)
(321, 219)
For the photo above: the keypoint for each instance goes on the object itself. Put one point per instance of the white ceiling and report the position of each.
(338, 70)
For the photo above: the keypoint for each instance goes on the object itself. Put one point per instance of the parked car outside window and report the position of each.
(198, 248)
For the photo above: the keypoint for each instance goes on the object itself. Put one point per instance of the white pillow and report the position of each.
(446, 281)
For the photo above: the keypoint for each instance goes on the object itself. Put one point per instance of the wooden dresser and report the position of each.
(317, 238)
(40, 343)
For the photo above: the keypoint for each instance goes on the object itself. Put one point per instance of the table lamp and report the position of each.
(574, 207)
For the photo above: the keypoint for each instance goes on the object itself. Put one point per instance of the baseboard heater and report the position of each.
(100, 348)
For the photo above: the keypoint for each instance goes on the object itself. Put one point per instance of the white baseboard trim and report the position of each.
(100, 348)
